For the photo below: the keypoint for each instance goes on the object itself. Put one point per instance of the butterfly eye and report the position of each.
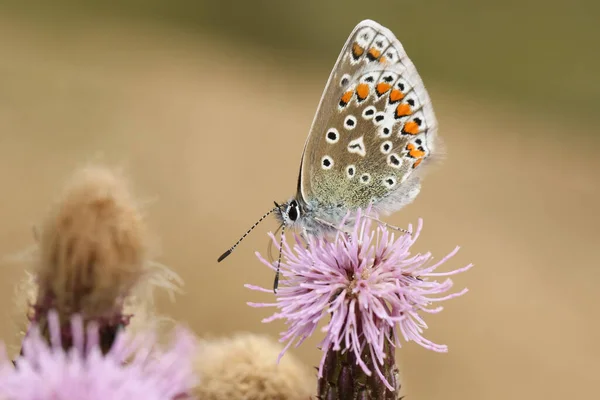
(292, 211)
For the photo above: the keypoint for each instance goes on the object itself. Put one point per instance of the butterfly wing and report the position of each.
(374, 127)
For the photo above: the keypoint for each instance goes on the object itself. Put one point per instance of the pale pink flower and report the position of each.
(134, 368)
(370, 286)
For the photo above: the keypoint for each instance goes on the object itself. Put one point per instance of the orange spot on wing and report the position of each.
(402, 110)
(346, 97)
(414, 152)
(416, 164)
(411, 128)
(362, 91)
(417, 153)
(383, 60)
(357, 51)
(373, 54)
(382, 87)
(396, 96)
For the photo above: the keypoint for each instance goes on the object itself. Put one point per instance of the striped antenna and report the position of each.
(228, 252)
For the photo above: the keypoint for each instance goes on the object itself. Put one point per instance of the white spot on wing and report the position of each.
(380, 42)
(365, 36)
(368, 112)
(402, 85)
(332, 135)
(394, 161)
(379, 118)
(350, 171)
(389, 181)
(350, 122)
(345, 80)
(357, 146)
(385, 132)
(386, 146)
(326, 162)
(391, 55)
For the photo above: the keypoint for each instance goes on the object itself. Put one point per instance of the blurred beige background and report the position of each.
(207, 106)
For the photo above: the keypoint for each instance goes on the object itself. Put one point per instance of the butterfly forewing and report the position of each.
(374, 126)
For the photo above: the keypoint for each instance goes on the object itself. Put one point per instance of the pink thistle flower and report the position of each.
(369, 284)
(133, 368)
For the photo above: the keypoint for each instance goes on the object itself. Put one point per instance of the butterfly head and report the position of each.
(289, 213)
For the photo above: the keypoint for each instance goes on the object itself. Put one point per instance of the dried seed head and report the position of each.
(243, 367)
(90, 257)
(91, 247)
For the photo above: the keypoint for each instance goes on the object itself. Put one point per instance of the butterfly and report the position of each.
(373, 132)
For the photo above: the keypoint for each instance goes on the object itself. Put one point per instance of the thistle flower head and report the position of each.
(369, 284)
(91, 258)
(92, 246)
(132, 369)
(241, 367)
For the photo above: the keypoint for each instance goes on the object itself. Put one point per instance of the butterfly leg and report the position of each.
(329, 224)
(388, 225)
(304, 235)
(337, 228)
(276, 280)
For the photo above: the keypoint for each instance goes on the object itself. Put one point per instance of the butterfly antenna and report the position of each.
(228, 252)
(276, 281)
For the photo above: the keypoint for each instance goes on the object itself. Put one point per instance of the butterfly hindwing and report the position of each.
(374, 126)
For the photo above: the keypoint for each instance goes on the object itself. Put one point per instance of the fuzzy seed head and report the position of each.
(91, 246)
(243, 367)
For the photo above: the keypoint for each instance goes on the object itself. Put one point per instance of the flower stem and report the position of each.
(344, 379)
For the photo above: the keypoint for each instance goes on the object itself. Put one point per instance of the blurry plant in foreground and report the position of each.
(374, 292)
(92, 256)
(90, 274)
(132, 368)
(243, 367)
